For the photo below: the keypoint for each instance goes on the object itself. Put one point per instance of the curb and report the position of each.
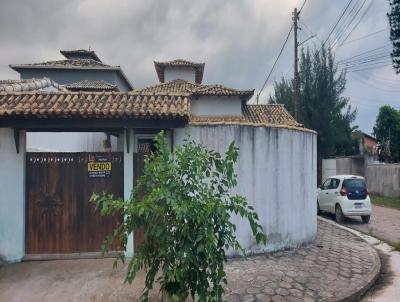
(377, 263)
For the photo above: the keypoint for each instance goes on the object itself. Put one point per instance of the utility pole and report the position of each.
(296, 80)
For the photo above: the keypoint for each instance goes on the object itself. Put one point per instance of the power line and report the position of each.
(302, 6)
(276, 61)
(337, 22)
(358, 23)
(366, 36)
(376, 67)
(365, 52)
(348, 19)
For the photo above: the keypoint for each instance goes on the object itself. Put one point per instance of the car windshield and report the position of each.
(353, 185)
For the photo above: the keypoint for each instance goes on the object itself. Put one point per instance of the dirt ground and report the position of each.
(91, 280)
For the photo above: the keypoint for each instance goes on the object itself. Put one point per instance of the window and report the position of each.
(145, 145)
(355, 184)
(326, 184)
(334, 183)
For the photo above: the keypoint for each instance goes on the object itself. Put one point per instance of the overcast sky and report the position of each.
(238, 40)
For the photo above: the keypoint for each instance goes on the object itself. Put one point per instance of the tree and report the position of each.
(185, 210)
(322, 105)
(387, 133)
(394, 21)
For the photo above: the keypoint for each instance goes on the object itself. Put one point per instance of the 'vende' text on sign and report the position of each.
(99, 166)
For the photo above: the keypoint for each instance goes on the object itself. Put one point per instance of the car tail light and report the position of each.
(343, 191)
(366, 191)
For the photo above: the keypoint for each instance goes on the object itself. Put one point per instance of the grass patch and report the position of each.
(396, 245)
(392, 202)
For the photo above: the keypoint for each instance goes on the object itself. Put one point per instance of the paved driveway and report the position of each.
(384, 224)
(337, 265)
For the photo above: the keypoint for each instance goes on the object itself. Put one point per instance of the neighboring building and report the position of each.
(368, 146)
(78, 65)
(276, 168)
(81, 70)
(355, 164)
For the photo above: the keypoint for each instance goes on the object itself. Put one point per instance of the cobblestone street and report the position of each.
(337, 265)
(384, 224)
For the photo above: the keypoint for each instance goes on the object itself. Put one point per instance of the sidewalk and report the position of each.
(336, 266)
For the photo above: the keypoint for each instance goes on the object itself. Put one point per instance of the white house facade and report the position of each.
(276, 167)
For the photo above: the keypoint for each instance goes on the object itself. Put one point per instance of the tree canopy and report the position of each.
(387, 132)
(323, 107)
(394, 21)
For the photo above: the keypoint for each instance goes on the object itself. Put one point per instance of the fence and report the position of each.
(383, 179)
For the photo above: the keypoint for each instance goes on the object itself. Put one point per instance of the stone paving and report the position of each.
(384, 224)
(337, 265)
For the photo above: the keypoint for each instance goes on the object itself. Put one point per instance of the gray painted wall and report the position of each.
(277, 172)
(384, 179)
(65, 76)
(350, 165)
(343, 165)
(12, 197)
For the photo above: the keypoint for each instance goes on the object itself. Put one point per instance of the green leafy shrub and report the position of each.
(184, 207)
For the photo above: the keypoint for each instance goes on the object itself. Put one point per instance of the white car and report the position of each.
(344, 195)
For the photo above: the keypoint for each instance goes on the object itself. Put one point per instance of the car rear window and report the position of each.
(353, 185)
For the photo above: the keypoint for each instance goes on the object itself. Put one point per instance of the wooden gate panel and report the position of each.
(59, 217)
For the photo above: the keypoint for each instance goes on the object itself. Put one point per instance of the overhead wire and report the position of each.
(337, 22)
(366, 36)
(358, 23)
(347, 21)
(274, 65)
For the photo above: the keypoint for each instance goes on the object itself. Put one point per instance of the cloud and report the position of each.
(238, 39)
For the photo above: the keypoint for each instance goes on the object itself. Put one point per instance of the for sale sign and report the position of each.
(99, 166)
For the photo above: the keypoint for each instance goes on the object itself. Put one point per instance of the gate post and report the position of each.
(128, 177)
(12, 198)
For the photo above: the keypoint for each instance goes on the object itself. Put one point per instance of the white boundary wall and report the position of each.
(277, 172)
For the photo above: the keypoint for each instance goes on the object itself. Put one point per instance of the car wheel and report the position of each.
(339, 214)
(365, 219)
(318, 209)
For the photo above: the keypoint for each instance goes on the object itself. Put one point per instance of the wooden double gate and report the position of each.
(59, 217)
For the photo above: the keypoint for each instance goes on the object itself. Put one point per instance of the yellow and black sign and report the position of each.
(99, 166)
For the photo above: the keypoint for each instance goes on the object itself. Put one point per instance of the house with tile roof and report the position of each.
(274, 151)
(78, 65)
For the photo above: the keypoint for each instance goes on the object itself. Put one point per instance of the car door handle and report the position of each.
(326, 193)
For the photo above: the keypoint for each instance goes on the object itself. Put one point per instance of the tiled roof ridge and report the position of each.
(91, 84)
(258, 114)
(66, 63)
(91, 53)
(196, 89)
(179, 62)
(27, 85)
(92, 105)
(96, 93)
(166, 84)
